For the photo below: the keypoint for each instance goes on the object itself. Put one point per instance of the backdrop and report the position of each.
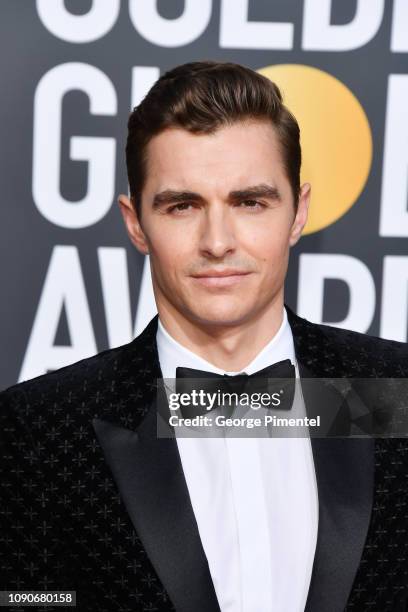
(72, 284)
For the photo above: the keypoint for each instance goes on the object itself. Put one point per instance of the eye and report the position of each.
(252, 204)
(177, 208)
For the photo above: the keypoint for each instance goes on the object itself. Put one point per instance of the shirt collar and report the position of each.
(172, 354)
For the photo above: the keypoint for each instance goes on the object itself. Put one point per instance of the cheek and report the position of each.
(269, 233)
(268, 245)
(170, 250)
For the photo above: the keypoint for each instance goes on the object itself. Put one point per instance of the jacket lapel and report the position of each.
(345, 475)
(149, 476)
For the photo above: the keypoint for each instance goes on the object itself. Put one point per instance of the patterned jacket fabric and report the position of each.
(64, 524)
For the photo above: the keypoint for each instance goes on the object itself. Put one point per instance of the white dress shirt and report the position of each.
(254, 499)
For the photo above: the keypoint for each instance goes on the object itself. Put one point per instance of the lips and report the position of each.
(221, 278)
(220, 273)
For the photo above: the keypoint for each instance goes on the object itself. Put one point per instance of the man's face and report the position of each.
(214, 205)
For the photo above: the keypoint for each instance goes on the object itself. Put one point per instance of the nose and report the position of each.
(217, 233)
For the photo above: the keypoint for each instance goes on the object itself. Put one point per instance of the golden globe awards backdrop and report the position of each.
(72, 285)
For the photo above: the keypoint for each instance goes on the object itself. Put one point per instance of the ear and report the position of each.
(301, 214)
(134, 229)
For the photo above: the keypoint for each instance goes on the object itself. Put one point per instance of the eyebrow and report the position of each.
(256, 191)
(171, 196)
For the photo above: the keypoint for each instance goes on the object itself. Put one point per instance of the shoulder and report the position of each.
(72, 377)
(344, 337)
(99, 370)
(66, 394)
(88, 378)
(371, 355)
(346, 349)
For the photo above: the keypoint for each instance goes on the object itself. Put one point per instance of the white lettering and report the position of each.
(236, 32)
(78, 28)
(146, 305)
(97, 151)
(320, 35)
(170, 32)
(116, 296)
(314, 268)
(394, 308)
(143, 78)
(63, 287)
(394, 193)
(399, 38)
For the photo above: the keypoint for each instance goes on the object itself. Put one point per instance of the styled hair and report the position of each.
(202, 97)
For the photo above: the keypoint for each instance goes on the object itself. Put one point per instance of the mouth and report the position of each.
(225, 278)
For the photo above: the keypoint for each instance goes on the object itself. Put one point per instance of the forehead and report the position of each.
(242, 153)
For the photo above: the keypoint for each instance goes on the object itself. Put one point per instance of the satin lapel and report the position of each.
(149, 475)
(345, 478)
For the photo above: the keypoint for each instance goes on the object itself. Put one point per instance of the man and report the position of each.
(93, 501)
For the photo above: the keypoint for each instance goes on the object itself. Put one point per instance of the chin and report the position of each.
(223, 315)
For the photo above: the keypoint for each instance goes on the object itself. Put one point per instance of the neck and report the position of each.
(228, 347)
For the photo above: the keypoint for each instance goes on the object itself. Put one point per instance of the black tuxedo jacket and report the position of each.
(92, 501)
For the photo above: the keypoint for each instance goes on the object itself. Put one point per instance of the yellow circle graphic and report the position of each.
(335, 137)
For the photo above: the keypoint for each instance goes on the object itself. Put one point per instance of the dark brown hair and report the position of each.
(201, 97)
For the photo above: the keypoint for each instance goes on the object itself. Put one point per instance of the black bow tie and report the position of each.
(276, 378)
